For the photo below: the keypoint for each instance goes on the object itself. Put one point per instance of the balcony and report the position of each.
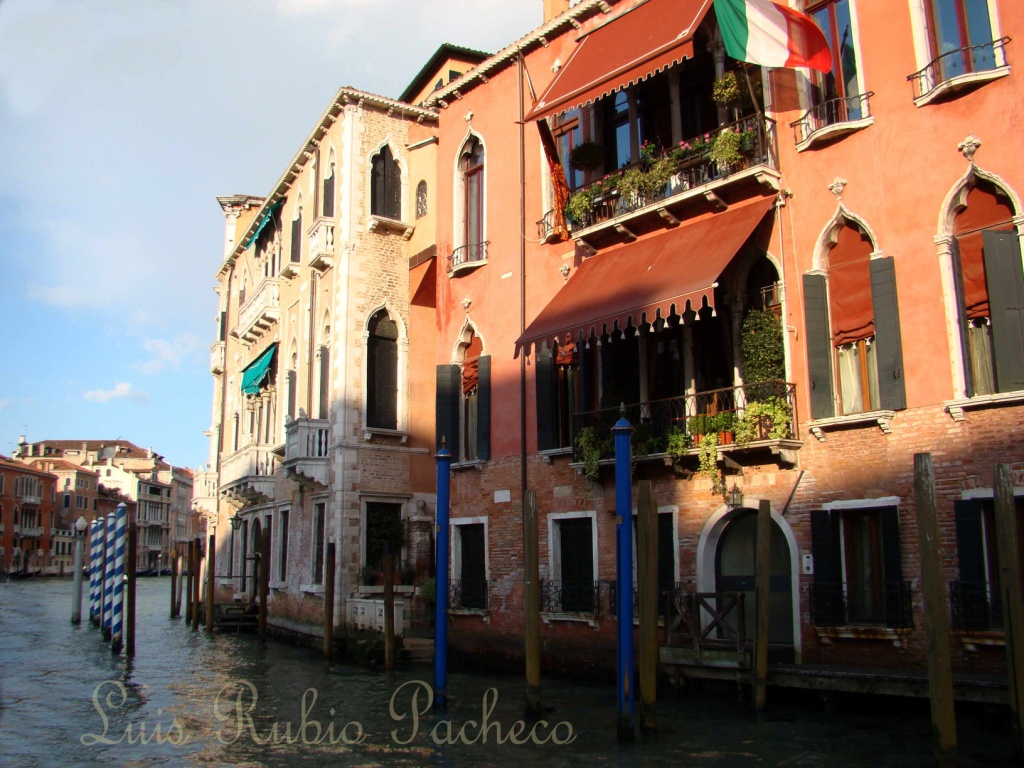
(832, 120)
(747, 418)
(30, 532)
(31, 499)
(635, 198)
(261, 311)
(321, 245)
(307, 449)
(959, 70)
(468, 595)
(570, 597)
(217, 358)
(975, 607)
(546, 228)
(247, 476)
(466, 258)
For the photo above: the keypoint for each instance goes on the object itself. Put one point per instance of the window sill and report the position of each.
(973, 638)
(467, 266)
(477, 464)
(883, 419)
(381, 224)
(592, 619)
(834, 131)
(370, 432)
(959, 83)
(313, 589)
(378, 589)
(550, 455)
(279, 585)
(897, 637)
(957, 407)
(482, 613)
(290, 269)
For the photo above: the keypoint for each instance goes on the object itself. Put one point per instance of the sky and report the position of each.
(121, 121)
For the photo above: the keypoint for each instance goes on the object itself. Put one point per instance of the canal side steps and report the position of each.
(419, 650)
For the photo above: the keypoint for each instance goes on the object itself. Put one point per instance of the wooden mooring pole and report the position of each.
(763, 587)
(264, 585)
(174, 585)
(329, 603)
(211, 569)
(647, 556)
(197, 581)
(936, 617)
(389, 610)
(531, 605)
(190, 570)
(129, 599)
(1010, 586)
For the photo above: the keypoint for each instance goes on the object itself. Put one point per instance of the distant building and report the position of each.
(27, 518)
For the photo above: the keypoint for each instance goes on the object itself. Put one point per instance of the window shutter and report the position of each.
(965, 350)
(329, 196)
(449, 386)
(296, 254)
(819, 347)
(968, 540)
(393, 184)
(892, 565)
(1004, 277)
(325, 382)
(483, 408)
(377, 185)
(387, 383)
(586, 363)
(544, 371)
(888, 343)
(825, 546)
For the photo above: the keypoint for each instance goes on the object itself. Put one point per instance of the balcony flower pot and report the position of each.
(586, 156)
(725, 438)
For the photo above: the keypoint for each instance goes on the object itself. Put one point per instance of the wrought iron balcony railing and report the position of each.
(839, 604)
(468, 594)
(546, 226)
(693, 167)
(570, 596)
(718, 410)
(954, 64)
(832, 112)
(664, 596)
(975, 606)
(467, 254)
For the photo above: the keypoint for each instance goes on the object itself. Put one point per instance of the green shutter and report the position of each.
(483, 408)
(819, 347)
(544, 370)
(1004, 277)
(892, 564)
(825, 546)
(892, 394)
(449, 384)
(961, 313)
(970, 551)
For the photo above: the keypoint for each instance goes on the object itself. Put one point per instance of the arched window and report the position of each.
(990, 287)
(382, 373)
(471, 170)
(296, 249)
(292, 384)
(328, 196)
(324, 367)
(463, 415)
(386, 189)
(421, 199)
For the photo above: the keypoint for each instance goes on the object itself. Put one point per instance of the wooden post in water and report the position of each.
(211, 569)
(174, 585)
(531, 605)
(647, 555)
(329, 603)
(197, 581)
(1009, 584)
(763, 579)
(129, 599)
(936, 617)
(190, 570)
(181, 588)
(264, 581)
(389, 610)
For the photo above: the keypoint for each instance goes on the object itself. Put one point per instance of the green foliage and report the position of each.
(579, 205)
(707, 461)
(725, 149)
(586, 156)
(762, 347)
(726, 89)
(700, 425)
(368, 575)
(679, 442)
(428, 589)
(772, 415)
(646, 440)
(590, 452)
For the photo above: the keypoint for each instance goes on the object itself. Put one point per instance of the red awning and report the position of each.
(634, 45)
(635, 283)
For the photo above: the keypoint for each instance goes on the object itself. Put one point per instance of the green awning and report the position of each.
(256, 371)
(264, 220)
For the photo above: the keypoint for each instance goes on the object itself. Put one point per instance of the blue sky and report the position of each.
(120, 123)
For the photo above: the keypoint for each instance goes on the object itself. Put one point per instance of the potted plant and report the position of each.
(724, 425)
(579, 206)
(586, 156)
(725, 149)
(765, 419)
(726, 89)
(428, 589)
(679, 443)
(698, 426)
(590, 452)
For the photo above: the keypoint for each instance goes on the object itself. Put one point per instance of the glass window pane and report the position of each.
(849, 379)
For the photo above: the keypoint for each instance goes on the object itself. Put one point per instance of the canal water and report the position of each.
(189, 699)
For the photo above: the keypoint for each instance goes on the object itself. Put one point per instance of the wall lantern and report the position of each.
(734, 497)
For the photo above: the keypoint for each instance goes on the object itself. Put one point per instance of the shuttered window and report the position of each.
(328, 196)
(296, 249)
(386, 189)
(1004, 278)
(382, 373)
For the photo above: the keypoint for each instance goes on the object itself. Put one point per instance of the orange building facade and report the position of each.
(790, 306)
(27, 518)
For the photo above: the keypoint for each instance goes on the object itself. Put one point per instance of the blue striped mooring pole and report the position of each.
(110, 525)
(120, 539)
(623, 430)
(95, 539)
(444, 474)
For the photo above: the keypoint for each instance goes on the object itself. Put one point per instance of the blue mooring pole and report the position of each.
(108, 574)
(120, 540)
(624, 563)
(95, 534)
(444, 474)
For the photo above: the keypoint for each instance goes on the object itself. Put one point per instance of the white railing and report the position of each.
(306, 439)
(262, 309)
(321, 244)
(29, 498)
(217, 357)
(251, 461)
(32, 531)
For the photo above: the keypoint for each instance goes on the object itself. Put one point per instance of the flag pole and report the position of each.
(760, 116)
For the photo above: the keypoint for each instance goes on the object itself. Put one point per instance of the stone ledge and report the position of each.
(956, 408)
(897, 637)
(883, 419)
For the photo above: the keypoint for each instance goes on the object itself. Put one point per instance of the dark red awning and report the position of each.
(634, 45)
(634, 283)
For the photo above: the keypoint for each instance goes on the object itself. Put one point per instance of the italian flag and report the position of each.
(772, 35)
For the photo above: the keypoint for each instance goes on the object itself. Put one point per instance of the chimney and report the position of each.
(553, 8)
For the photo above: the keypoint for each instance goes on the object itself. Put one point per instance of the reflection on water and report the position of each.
(189, 699)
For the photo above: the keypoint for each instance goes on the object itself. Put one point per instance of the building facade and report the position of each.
(28, 520)
(793, 282)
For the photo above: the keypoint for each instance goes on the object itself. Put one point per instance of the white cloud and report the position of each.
(123, 390)
(5, 402)
(167, 354)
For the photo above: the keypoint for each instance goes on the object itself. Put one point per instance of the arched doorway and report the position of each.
(735, 558)
(256, 540)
